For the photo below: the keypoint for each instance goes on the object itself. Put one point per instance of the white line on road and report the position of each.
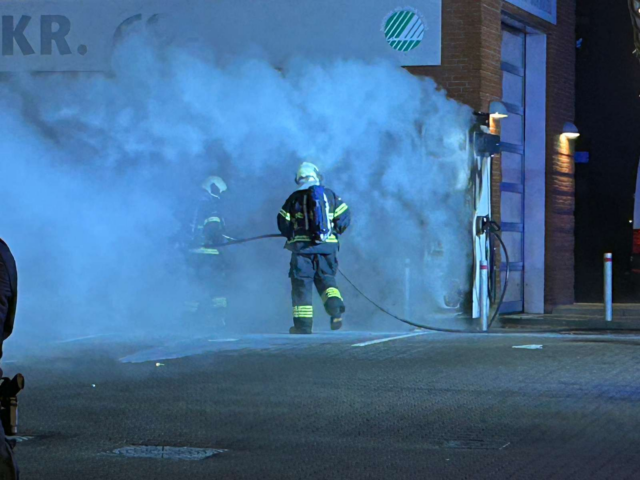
(382, 340)
(86, 338)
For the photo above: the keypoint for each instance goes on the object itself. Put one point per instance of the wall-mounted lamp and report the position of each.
(570, 131)
(498, 110)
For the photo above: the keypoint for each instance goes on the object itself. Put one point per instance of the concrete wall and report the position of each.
(535, 173)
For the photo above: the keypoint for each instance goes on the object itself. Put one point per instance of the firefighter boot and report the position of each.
(302, 320)
(299, 331)
(336, 323)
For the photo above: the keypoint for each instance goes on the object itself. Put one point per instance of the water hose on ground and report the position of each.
(493, 230)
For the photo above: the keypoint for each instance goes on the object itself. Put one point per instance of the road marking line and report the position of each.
(382, 340)
(19, 439)
(86, 338)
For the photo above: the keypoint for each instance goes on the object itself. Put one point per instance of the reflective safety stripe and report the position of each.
(300, 238)
(299, 215)
(331, 292)
(191, 306)
(304, 311)
(304, 238)
(219, 302)
(205, 251)
(212, 219)
(285, 215)
(340, 210)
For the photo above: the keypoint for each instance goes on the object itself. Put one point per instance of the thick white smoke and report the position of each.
(96, 170)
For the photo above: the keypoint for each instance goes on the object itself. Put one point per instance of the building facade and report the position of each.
(523, 53)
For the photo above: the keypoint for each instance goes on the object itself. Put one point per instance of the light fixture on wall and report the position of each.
(570, 131)
(498, 110)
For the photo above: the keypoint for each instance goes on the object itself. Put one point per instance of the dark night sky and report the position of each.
(608, 116)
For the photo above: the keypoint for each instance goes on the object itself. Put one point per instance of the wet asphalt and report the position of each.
(333, 405)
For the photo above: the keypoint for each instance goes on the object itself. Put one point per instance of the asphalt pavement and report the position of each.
(344, 405)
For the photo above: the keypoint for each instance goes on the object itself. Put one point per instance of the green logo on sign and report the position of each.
(404, 29)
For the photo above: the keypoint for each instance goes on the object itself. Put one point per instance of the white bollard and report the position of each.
(608, 287)
(407, 289)
(484, 295)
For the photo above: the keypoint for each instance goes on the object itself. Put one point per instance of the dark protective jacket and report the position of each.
(8, 290)
(291, 224)
(207, 223)
(8, 300)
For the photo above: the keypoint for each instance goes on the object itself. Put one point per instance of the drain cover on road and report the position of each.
(175, 453)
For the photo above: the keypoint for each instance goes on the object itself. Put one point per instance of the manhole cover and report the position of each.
(175, 453)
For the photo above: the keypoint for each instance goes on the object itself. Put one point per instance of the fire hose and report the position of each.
(493, 230)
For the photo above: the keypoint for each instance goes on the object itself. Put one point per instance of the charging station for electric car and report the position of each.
(483, 146)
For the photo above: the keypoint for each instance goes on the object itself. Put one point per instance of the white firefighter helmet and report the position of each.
(308, 170)
(214, 185)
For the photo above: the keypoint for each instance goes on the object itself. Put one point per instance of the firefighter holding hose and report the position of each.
(207, 268)
(312, 219)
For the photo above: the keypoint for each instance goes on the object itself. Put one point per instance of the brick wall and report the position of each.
(470, 72)
(470, 69)
(560, 196)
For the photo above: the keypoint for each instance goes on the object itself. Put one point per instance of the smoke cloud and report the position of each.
(98, 171)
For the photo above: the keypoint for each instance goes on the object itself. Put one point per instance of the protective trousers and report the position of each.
(207, 299)
(306, 270)
(8, 467)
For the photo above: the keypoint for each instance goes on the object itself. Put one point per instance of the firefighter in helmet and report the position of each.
(207, 230)
(312, 219)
